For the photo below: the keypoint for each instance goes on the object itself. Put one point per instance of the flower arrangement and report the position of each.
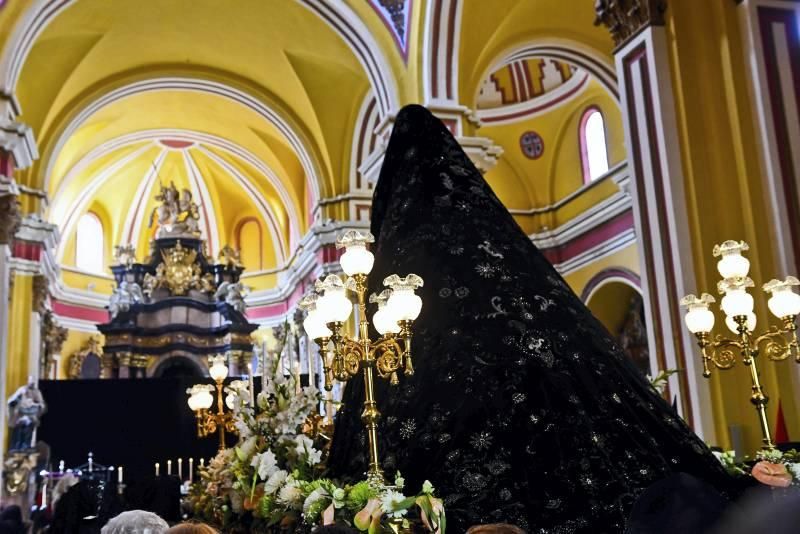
(273, 479)
(772, 467)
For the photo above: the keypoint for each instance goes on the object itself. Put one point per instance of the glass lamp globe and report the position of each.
(218, 369)
(230, 401)
(784, 302)
(737, 302)
(356, 258)
(193, 402)
(383, 320)
(333, 305)
(698, 319)
(403, 304)
(315, 326)
(732, 264)
(204, 398)
(733, 327)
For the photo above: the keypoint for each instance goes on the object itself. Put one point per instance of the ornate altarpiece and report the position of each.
(177, 307)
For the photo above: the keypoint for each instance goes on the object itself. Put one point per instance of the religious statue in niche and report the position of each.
(178, 272)
(125, 294)
(25, 408)
(178, 215)
(233, 294)
(633, 335)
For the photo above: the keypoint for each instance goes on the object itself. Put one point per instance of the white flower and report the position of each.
(275, 481)
(770, 455)
(290, 495)
(427, 487)
(389, 501)
(313, 497)
(265, 463)
(246, 449)
(304, 447)
(794, 469)
(399, 481)
(338, 498)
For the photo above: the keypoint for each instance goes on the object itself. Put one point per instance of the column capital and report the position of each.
(625, 18)
(10, 215)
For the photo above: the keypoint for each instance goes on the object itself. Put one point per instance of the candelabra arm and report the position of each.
(405, 333)
(721, 352)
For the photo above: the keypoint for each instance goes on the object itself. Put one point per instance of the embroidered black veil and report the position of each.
(522, 408)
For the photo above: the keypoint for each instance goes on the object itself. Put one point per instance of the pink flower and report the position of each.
(772, 474)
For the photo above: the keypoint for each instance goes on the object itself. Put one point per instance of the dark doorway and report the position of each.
(178, 367)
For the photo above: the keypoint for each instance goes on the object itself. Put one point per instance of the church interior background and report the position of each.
(625, 141)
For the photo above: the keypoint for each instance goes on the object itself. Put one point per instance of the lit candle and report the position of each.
(119, 475)
(191, 470)
(264, 355)
(169, 467)
(310, 353)
(180, 468)
(202, 462)
(157, 468)
(252, 385)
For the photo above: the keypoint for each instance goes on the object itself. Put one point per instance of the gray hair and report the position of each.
(136, 522)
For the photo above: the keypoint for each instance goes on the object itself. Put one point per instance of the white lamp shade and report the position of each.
(194, 402)
(784, 303)
(733, 265)
(357, 260)
(404, 305)
(315, 326)
(699, 320)
(230, 401)
(737, 302)
(334, 306)
(218, 371)
(204, 400)
(384, 322)
(733, 327)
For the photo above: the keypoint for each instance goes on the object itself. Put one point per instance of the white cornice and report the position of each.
(18, 139)
(80, 325)
(606, 248)
(23, 266)
(34, 228)
(8, 186)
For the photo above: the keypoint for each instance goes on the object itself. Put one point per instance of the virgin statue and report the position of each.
(522, 409)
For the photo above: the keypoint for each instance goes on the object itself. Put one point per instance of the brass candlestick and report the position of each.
(398, 307)
(776, 343)
(201, 399)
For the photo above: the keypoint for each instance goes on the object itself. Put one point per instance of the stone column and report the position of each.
(772, 53)
(652, 144)
(9, 222)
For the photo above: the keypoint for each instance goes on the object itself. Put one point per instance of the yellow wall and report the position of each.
(725, 194)
(19, 332)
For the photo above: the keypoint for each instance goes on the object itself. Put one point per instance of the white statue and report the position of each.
(124, 295)
(233, 294)
(25, 408)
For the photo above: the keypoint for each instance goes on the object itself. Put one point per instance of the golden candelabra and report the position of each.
(776, 343)
(201, 398)
(329, 309)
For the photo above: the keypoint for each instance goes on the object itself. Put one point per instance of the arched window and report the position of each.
(89, 244)
(248, 241)
(594, 154)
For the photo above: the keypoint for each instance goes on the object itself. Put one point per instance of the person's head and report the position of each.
(136, 522)
(334, 529)
(495, 528)
(192, 527)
